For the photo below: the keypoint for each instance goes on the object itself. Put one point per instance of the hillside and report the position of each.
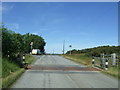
(96, 51)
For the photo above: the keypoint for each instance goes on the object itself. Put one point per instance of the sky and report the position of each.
(80, 24)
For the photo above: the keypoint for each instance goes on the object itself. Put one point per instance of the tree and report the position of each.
(15, 43)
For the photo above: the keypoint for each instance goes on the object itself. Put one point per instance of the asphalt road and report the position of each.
(63, 79)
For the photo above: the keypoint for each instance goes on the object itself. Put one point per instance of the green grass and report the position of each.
(83, 59)
(112, 71)
(29, 58)
(79, 58)
(11, 71)
(8, 67)
(7, 81)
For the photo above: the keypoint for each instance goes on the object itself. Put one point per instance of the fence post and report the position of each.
(113, 56)
(106, 64)
(23, 57)
(93, 61)
(102, 60)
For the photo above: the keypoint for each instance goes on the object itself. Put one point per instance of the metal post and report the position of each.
(106, 64)
(23, 57)
(102, 61)
(31, 44)
(31, 49)
(114, 59)
(103, 58)
(93, 61)
(70, 48)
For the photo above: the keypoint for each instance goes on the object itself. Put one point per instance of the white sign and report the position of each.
(31, 43)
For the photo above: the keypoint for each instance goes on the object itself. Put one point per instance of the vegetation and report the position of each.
(113, 71)
(84, 56)
(85, 60)
(8, 67)
(96, 51)
(79, 58)
(14, 45)
(11, 71)
(7, 81)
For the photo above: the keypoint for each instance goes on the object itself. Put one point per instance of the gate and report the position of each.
(109, 60)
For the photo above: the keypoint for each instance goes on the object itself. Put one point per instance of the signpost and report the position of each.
(70, 49)
(31, 44)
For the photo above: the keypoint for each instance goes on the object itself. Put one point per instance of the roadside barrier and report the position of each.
(106, 64)
(93, 62)
(105, 61)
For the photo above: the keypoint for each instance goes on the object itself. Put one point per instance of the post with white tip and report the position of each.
(93, 61)
(106, 64)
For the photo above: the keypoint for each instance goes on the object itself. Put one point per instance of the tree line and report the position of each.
(14, 43)
(97, 51)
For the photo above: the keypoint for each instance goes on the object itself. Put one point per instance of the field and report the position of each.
(83, 59)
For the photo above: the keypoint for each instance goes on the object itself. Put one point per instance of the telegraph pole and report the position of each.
(63, 46)
(53, 51)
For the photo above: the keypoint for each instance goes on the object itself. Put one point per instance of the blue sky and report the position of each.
(80, 24)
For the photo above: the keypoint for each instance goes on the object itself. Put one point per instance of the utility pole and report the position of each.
(63, 46)
(53, 51)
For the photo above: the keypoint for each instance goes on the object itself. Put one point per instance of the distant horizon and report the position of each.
(68, 50)
(82, 25)
(84, 49)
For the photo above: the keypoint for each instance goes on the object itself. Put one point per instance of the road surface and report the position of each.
(43, 77)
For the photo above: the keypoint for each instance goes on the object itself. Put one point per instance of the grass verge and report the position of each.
(8, 66)
(30, 58)
(7, 81)
(11, 71)
(85, 60)
(113, 71)
(81, 59)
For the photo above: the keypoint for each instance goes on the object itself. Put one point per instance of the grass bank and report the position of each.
(11, 70)
(85, 60)
(113, 71)
(7, 81)
(79, 58)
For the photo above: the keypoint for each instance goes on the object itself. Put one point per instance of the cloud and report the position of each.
(6, 7)
(35, 33)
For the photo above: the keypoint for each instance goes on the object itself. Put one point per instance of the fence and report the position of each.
(105, 61)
